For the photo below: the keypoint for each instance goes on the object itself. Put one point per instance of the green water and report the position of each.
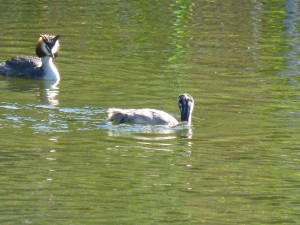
(62, 163)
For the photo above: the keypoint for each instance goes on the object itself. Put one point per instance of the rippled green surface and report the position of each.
(62, 163)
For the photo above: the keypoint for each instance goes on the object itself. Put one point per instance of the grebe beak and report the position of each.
(50, 52)
(52, 56)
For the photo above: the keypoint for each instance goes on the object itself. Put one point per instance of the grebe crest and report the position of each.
(154, 116)
(40, 67)
(47, 45)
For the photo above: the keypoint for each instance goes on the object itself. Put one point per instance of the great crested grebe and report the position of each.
(154, 116)
(31, 67)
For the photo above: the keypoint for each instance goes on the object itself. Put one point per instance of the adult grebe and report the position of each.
(31, 67)
(153, 116)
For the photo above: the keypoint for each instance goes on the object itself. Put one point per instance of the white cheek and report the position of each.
(55, 48)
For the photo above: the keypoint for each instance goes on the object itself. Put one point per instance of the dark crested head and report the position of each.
(186, 106)
(48, 45)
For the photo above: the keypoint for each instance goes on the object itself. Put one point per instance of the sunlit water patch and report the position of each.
(148, 139)
(62, 163)
(48, 118)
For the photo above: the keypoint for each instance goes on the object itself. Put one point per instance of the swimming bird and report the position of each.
(31, 67)
(154, 116)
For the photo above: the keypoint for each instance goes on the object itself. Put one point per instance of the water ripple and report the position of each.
(49, 118)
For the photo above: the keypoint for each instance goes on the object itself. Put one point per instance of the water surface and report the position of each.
(62, 163)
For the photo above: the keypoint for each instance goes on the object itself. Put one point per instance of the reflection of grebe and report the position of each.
(50, 93)
(47, 91)
(153, 116)
(40, 67)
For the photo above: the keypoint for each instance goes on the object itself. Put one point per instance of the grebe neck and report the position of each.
(50, 70)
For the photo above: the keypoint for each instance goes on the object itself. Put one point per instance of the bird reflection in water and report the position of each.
(46, 91)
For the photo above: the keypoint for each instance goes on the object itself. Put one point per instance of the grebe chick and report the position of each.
(31, 67)
(154, 116)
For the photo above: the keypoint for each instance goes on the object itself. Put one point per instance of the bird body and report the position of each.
(141, 116)
(41, 67)
(153, 116)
